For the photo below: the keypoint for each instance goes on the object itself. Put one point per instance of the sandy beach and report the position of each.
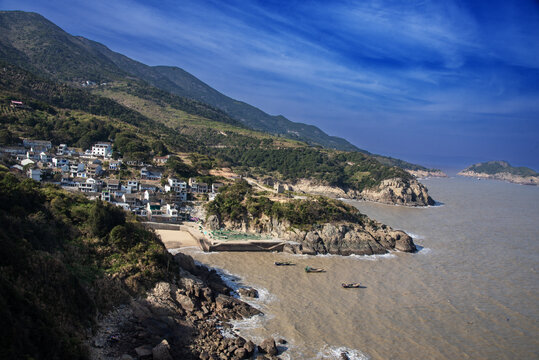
(174, 239)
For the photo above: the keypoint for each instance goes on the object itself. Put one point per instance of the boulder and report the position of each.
(241, 353)
(162, 351)
(144, 352)
(404, 243)
(268, 346)
(186, 262)
(248, 292)
(249, 347)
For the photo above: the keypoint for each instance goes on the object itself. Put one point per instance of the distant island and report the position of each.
(502, 170)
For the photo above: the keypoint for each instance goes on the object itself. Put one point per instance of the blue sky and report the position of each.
(442, 83)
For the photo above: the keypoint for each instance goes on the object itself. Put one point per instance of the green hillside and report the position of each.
(34, 43)
(496, 167)
(66, 259)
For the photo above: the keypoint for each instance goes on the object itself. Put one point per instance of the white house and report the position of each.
(175, 185)
(88, 187)
(27, 162)
(130, 186)
(102, 149)
(59, 162)
(34, 174)
(62, 149)
(75, 169)
(171, 211)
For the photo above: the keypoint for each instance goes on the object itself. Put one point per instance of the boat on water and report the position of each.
(350, 285)
(313, 270)
(284, 263)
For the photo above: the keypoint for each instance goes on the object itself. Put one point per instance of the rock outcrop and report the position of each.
(422, 174)
(396, 191)
(502, 170)
(177, 320)
(343, 238)
(516, 179)
(399, 192)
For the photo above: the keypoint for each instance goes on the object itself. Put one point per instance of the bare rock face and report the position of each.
(268, 346)
(505, 176)
(399, 192)
(343, 238)
(248, 292)
(213, 222)
(394, 191)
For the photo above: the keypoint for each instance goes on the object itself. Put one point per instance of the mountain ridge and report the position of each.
(35, 43)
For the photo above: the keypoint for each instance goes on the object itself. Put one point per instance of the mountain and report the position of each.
(502, 170)
(32, 42)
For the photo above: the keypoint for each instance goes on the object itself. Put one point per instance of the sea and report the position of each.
(470, 292)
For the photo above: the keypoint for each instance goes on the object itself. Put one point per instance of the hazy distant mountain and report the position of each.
(31, 41)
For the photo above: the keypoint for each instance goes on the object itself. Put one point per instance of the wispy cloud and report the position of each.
(338, 62)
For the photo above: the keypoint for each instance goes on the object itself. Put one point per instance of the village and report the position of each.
(95, 173)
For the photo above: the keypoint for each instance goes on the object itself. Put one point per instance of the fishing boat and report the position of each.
(350, 285)
(313, 270)
(284, 263)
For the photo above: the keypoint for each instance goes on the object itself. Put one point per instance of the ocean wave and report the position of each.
(235, 282)
(374, 257)
(334, 352)
(246, 327)
(414, 236)
(423, 250)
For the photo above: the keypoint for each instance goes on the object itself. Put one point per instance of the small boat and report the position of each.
(284, 263)
(350, 285)
(313, 270)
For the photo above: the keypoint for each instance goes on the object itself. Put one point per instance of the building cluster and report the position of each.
(96, 174)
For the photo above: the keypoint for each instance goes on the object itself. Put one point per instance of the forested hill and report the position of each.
(34, 43)
(497, 167)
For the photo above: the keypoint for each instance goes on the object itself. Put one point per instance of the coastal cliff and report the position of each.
(502, 170)
(422, 174)
(395, 191)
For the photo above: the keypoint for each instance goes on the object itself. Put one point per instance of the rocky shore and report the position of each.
(391, 191)
(180, 320)
(422, 174)
(516, 179)
(342, 238)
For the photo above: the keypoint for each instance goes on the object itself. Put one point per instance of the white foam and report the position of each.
(423, 250)
(231, 280)
(248, 327)
(376, 257)
(415, 236)
(334, 352)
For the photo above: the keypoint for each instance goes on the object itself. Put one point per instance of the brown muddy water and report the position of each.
(471, 292)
